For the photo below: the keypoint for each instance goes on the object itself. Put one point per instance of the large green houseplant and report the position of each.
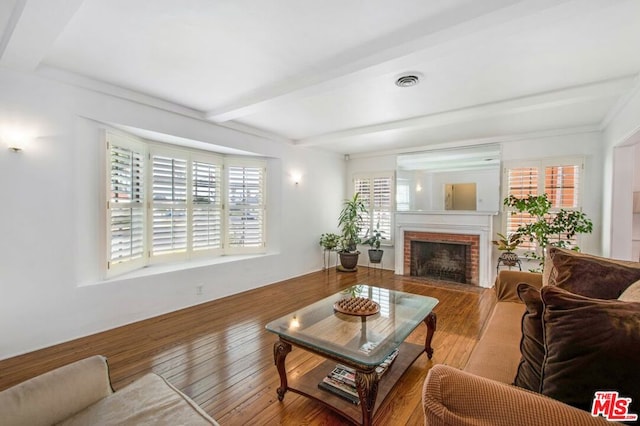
(547, 228)
(350, 222)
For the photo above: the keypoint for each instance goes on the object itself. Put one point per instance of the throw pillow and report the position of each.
(532, 341)
(590, 345)
(591, 276)
(632, 293)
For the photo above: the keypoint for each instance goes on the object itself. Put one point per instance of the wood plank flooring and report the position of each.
(220, 354)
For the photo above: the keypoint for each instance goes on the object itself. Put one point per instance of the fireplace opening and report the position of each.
(445, 261)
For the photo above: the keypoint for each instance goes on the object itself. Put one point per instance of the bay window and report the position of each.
(170, 203)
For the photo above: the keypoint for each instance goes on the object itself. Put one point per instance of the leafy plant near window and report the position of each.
(546, 227)
(507, 243)
(351, 221)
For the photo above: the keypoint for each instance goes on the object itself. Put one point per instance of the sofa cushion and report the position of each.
(57, 394)
(591, 345)
(151, 400)
(589, 275)
(632, 293)
(497, 353)
(532, 341)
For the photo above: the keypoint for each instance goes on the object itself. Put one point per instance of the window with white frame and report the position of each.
(169, 203)
(376, 191)
(559, 178)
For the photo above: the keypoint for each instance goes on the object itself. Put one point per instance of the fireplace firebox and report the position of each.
(440, 260)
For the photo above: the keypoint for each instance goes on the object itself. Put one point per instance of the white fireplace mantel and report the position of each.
(458, 222)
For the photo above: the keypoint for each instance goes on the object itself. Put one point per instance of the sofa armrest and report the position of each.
(457, 398)
(507, 283)
(53, 396)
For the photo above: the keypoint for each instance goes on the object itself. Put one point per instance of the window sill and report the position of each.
(164, 268)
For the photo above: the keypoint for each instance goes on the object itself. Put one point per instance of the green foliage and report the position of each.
(508, 243)
(350, 221)
(329, 241)
(374, 240)
(557, 228)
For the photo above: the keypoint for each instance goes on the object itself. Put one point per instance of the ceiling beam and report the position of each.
(32, 29)
(552, 99)
(481, 23)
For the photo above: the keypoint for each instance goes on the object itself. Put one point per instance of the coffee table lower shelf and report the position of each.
(307, 384)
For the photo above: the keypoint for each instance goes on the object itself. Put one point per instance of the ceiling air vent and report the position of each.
(407, 80)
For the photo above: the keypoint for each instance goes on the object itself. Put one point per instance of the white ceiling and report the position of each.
(322, 73)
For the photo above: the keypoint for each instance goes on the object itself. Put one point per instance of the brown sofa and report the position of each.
(80, 394)
(483, 392)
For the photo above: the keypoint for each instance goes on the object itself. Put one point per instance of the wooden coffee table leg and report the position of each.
(280, 351)
(430, 321)
(367, 384)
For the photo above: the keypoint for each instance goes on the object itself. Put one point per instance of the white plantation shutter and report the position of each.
(125, 203)
(207, 206)
(558, 178)
(363, 187)
(521, 182)
(382, 202)
(169, 205)
(246, 206)
(376, 191)
(562, 185)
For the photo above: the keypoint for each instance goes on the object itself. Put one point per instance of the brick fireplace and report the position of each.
(468, 244)
(474, 230)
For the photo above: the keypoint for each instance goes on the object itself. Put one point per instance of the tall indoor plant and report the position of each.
(547, 228)
(350, 222)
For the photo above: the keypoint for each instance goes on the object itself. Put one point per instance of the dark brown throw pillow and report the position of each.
(590, 345)
(532, 341)
(591, 276)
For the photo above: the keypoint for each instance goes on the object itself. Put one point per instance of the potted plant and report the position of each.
(557, 228)
(350, 222)
(508, 244)
(329, 243)
(375, 253)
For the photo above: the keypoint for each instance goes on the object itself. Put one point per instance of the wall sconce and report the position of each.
(296, 177)
(15, 140)
(418, 188)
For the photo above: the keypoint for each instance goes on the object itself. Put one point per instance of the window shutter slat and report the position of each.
(169, 210)
(246, 206)
(206, 228)
(125, 214)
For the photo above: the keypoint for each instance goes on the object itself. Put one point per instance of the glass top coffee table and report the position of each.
(359, 341)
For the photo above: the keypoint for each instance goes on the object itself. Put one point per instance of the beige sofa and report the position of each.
(482, 393)
(81, 394)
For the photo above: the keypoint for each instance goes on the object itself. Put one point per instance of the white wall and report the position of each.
(621, 133)
(51, 235)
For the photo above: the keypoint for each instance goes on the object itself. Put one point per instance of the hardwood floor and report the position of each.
(220, 354)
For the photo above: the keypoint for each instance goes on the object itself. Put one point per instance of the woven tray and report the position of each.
(359, 306)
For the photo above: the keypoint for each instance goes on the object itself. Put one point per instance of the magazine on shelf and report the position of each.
(341, 381)
(384, 366)
(340, 389)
